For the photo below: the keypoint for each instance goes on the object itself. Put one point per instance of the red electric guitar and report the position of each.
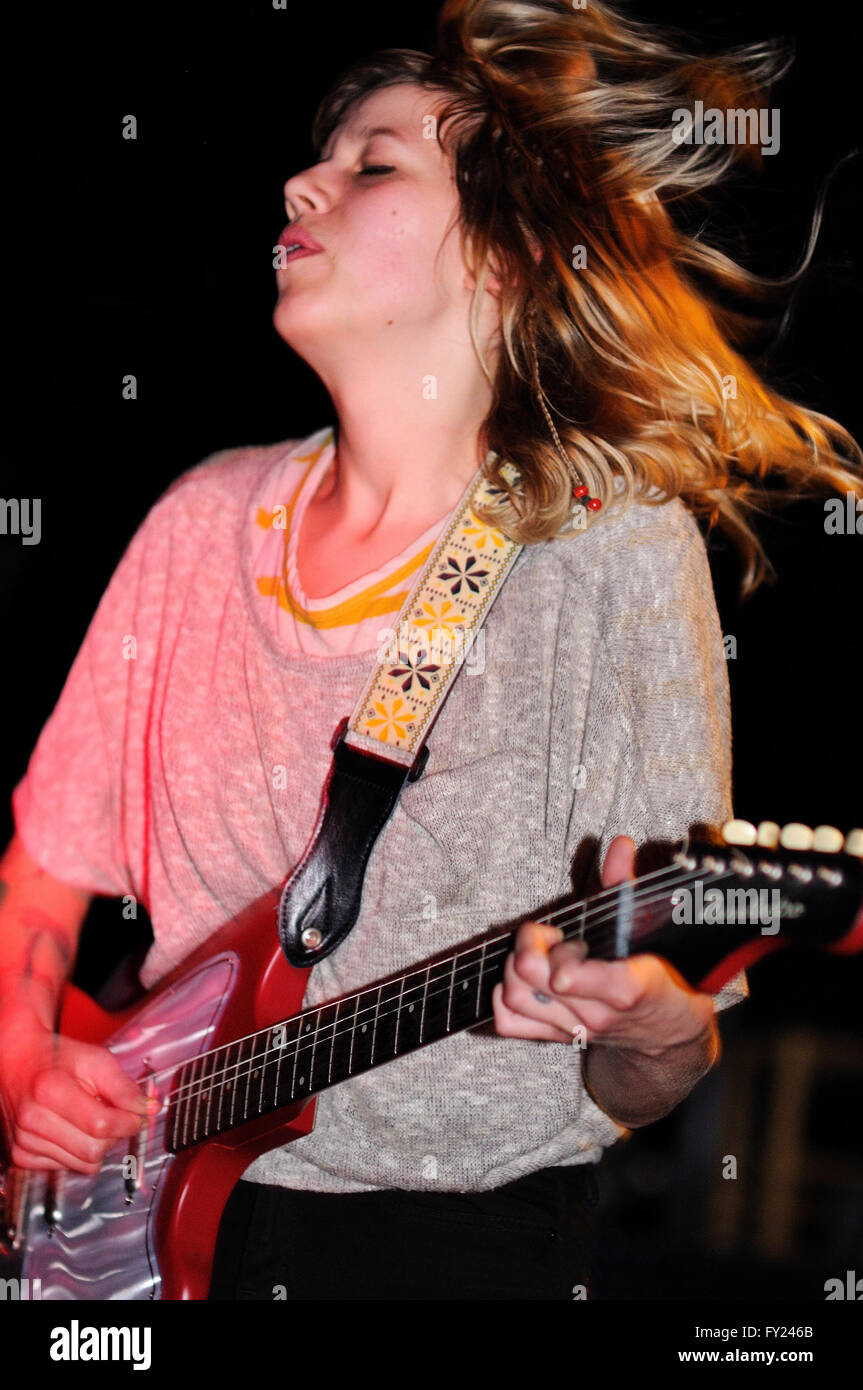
(224, 1042)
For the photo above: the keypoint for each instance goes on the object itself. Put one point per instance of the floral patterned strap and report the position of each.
(435, 630)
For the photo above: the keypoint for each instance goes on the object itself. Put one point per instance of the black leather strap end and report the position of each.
(320, 901)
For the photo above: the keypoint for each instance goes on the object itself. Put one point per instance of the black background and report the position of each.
(154, 257)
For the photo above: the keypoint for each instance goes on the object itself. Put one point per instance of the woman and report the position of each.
(488, 272)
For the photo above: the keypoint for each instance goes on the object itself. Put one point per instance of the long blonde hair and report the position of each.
(559, 121)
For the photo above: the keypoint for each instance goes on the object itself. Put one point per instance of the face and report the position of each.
(383, 207)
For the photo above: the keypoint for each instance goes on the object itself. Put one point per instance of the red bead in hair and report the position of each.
(579, 491)
(593, 504)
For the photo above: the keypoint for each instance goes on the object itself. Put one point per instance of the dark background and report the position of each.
(154, 257)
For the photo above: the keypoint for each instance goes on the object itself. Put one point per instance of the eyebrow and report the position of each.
(366, 133)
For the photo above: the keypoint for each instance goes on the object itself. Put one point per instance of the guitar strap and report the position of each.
(382, 744)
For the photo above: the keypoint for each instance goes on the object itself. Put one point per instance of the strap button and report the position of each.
(311, 938)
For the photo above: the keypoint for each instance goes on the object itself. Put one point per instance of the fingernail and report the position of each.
(541, 998)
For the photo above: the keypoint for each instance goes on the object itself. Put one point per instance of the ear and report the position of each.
(494, 281)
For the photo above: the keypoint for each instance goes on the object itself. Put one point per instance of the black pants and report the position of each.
(531, 1239)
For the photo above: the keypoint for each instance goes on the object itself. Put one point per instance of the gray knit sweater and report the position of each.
(184, 761)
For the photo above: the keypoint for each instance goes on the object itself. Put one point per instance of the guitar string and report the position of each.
(199, 1086)
(491, 950)
(466, 950)
(497, 948)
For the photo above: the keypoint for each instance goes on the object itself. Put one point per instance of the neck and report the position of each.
(408, 436)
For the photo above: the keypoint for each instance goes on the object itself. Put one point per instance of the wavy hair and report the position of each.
(615, 321)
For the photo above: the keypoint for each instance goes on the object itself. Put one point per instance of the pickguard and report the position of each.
(102, 1243)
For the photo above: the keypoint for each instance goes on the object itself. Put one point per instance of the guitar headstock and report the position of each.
(801, 885)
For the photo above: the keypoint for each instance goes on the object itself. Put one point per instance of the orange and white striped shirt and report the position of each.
(359, 616)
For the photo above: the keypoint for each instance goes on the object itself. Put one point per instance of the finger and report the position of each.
(59, 1092)
(48, 1126)
(514, 1025)
(536, 936)
(24, 1158)
(613, 983)
(100, 1072)
(619, 861)
(528, 994)
(44, 1149)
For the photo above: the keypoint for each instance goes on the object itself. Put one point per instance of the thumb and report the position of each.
(619, 861)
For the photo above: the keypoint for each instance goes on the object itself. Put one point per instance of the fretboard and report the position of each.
(320, 1047)
(323, 1046)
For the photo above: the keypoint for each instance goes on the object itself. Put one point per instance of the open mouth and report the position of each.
(294, 249)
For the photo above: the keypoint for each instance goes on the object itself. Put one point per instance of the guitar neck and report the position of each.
(327, 1044)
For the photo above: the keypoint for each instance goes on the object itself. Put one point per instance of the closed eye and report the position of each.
(378, 169)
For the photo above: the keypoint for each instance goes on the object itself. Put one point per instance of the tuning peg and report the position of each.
(854, 843)
(768, 834)
(738, 832)
(795, 835)
(828, 840)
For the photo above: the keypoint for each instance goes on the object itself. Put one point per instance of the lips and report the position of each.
(299, 238)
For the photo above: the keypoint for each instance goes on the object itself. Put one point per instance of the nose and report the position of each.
(306, 191)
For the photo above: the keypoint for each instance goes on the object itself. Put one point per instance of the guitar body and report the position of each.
(157, 1241)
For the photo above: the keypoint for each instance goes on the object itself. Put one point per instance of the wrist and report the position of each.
(705, 1037)
(23, 1010)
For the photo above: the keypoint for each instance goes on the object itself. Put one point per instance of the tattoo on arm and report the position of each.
(46, 932)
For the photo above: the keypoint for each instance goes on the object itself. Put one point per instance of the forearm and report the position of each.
(39, 928)
(635, 1088)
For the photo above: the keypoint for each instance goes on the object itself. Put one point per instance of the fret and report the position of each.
(411, 1004)
(425, 1000)
(243, 1074)
(478, 1007)
(196, 1096)
(343, 1042)
(175, 1110)
(333, 1042)
(322, 1046)
(202, 1125)
(269, 1070)
(241, 1077)
(375, 1025)
(231, 1081)
(386, 1021)
(363, 1032)
(398, 1016)
(270, 1057)
(450, 988)
(285, 1037)
(461, 1007)
(186, 1099)
(296, 1063)
(436, 1020)
(217, 1082)
(305, 1054)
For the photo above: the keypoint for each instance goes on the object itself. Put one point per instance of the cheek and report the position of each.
(395, 252)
